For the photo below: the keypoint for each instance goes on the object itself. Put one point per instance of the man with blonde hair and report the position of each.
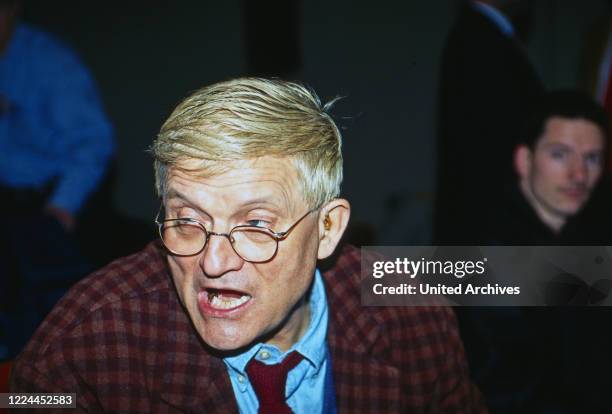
(229, 312)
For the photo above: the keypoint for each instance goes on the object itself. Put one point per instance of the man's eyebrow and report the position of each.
(172, 193)
(264, 202)
(565, 147)
(557, 144)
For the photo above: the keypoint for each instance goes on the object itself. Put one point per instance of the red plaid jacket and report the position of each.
(121, 340)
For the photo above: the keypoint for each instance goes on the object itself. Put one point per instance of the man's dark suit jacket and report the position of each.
(542, 359)
(121, 340)
(487, 85)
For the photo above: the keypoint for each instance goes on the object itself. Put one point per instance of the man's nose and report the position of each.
(579, 171)
(219, 257)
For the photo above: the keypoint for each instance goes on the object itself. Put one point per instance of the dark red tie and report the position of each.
(269, 383)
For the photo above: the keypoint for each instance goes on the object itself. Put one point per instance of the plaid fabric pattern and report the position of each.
(121, 340)
(394, 359)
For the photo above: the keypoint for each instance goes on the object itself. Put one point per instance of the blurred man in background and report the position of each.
(552, 359)
(559, 163)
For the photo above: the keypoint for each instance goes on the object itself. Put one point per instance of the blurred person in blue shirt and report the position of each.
(55, 147)
(53, 132)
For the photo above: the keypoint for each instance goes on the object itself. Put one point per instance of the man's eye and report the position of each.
(594, 159)
(558, 154)
(193, 221)
(258, 223)
(182, 219)
(188, 220)
(188, 229)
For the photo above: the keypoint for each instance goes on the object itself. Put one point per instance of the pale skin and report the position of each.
(557, 178)
(262, 192)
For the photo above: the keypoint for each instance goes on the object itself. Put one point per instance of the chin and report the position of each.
(224, 338)
(568, 211)
(572, 208)
(224, 344)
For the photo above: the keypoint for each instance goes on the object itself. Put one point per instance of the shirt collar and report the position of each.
(311, 345)
(498, 18)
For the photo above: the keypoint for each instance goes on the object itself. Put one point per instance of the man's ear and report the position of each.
(333, 219)
(522, 161)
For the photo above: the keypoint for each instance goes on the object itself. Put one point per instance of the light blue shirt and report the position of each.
(306, 382)
(52, 126)
(498, 18)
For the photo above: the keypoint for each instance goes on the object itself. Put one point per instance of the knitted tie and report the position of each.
(269, 381)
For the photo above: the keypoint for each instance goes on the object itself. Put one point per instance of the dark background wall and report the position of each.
(382, 56)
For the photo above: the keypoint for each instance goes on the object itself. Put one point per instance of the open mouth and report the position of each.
(226, 298)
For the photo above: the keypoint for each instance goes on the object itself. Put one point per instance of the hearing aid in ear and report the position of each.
(327, 223)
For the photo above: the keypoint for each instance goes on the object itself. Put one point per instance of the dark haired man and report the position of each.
(547, 359)
(559, 163)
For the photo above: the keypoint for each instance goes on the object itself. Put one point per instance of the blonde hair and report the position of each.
(248, 118)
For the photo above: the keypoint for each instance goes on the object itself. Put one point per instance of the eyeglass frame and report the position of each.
(277, 236)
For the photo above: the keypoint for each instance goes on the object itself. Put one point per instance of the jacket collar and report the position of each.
(354, 339)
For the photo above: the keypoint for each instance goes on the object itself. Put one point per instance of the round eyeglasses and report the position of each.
(188, 237)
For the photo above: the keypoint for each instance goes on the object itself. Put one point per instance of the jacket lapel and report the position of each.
(363, 382)
(193, 381)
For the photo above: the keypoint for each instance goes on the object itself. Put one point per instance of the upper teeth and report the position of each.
(222, 302)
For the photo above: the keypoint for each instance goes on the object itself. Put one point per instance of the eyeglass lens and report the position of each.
(187, 238)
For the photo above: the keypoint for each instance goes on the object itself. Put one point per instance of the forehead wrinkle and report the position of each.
(277, 192)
